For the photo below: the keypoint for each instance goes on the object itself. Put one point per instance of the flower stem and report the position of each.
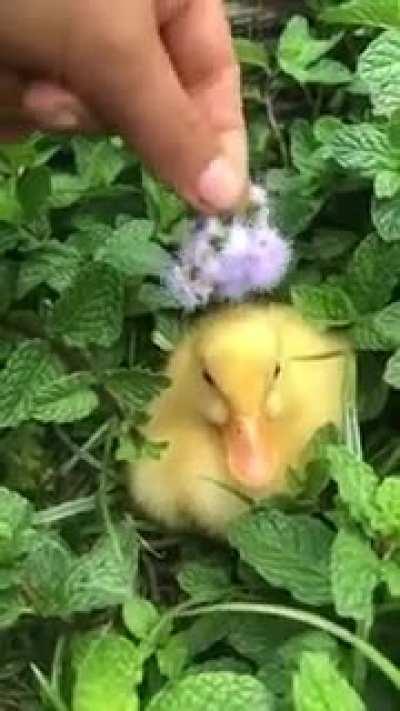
(365, 648)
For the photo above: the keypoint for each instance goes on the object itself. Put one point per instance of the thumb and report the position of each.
(126, 75)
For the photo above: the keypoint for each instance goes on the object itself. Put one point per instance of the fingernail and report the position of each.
(220, 186)
(64, 120)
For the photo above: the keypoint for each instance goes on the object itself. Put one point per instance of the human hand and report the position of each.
(159, 72)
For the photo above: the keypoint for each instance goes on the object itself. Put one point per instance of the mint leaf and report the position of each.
(378, 69)
(391, 576)
(107, 676)
(213, 690)
(328, 305)
(164, 206)
(291, 552)
(11, 608)
(204, 580)
(355, 573)
(130, 251)
(134, 387)
(54, 264)
(15, 520)
(373, 13)
(387, 323)
(299, 52)
(172, 658)
(90, 310)
(318, 686)
(392, 371)
(140, 617)
(44, 572)
(33, 190)
(356, 480)
(251, 53)
(387, 183)
(29, 368)
(372, 274)
(98, 161)
(66, 399)
(387, 501)
(106, 575)
(386, 218)
(365, 148)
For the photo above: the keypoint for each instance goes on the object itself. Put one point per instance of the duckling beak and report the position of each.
(247, 455)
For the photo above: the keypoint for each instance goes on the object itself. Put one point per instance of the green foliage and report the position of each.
(319, 686)
(96, 601)
(215, 691)
(107, 675)
(288, 551)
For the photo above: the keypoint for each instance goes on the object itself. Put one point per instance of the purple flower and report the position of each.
(229, 261)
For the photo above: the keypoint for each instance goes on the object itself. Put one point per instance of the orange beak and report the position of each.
(248, 460)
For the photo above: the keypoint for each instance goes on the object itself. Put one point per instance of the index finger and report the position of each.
(198, 39)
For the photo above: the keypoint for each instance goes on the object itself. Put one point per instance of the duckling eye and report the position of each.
(207, 377)
(277, 371)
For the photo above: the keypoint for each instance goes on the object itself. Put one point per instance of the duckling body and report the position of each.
(243, 403)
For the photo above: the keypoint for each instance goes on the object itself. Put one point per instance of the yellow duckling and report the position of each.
(242, 405)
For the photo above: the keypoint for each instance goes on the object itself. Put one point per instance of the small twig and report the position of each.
(277, 131)
(83, 451)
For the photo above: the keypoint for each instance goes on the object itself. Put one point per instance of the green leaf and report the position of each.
(372, 274)
(204, 580)
(66, 190)
(390, 572)
(15, 520)
(33, 190)
(378, 69)
(130, 251)
(11, 608)
(386, 218)
(98, 161)
(373, 13)
(356, 480)
(251, 53)
(65, 400)
(387, 323)
(387, 501)
(287, 551)
(327, 305)
(108, 676)
(44, 572)
(140, 617)
(10, 208)
(164, 206)
(365, 148)
(355, 574)
(387, 183)
(106, 575)
(30, 367)
(299, 54)
(90, 310)
(172, 658)
(392, 371)
(216, 691)
(167, 331)
(318, 686)
(294, 200)
(54, 264)
(134, 387)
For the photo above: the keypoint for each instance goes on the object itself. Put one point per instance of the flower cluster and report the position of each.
(231, 260)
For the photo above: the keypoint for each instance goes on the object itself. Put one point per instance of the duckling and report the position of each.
(245, 398)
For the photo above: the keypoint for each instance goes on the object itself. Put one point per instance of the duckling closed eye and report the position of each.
(238, 414)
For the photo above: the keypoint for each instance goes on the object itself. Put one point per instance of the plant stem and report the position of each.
(365, 648)
(360, 669)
